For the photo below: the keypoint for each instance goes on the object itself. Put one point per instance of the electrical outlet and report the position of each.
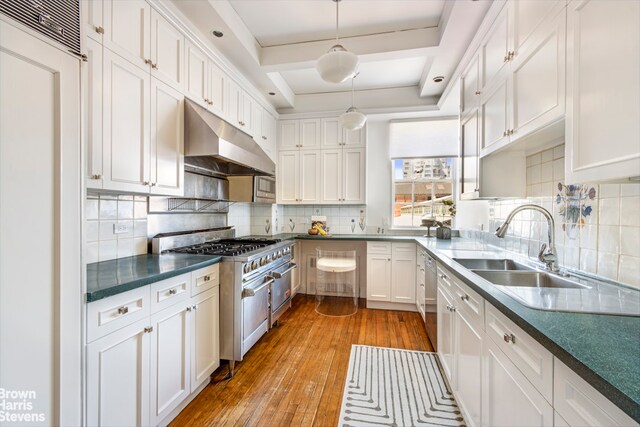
(120, 228)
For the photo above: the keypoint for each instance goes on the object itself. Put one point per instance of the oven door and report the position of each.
(281, 289)
(255, 311)
(264, 189)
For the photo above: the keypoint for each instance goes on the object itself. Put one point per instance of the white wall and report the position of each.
(378, 173)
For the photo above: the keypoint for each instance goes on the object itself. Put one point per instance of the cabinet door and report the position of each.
(205, 336)
(310, 176)
(289, 135)
(288, 176)
(118, 378)
(269, 131)
(246, 111)
(527, 16)
(508, 399)
(469, 177)
(92, 19)
(494, 50)
(403, 275)
(602, 127)
(256, 123)
(538, 78)
(494, 110)
(92, 99)
(468, 362)
(354, 138)
(379, 277)
(167, 52)
(167, 140)
(354, 175)
(330, 133)
(445, 334)
(127, 30)
(235, 105)
(470, 92)
(310, 134)
(197, 82)
(218, 91)
(126, 125)
(170, 360)
(332, 176)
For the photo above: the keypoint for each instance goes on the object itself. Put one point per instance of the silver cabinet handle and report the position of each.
(148, 61)
(146, 183)
(154, 66)
(207, 278)
(123, 310)
(99, 30)
(195, 307)
(96, 176)
(250, 292)
(509, 338)
(148, 329)
(173, 291)
(464, 297)
(277, 275)
(189, 307)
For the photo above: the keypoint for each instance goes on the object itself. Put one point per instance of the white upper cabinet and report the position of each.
(268, 135)
(197, 84)
(127, 29)
(470, 86)
(218, 90)
(289, 135)
(332, 182)
(167, 52)
(527, 16)
(310, 176)
(330, 133)
(470, 173)
(494, 113)
(310, 134)
(299, 177)
(92, 111)
(354, 175)
(354, 138)
(240, 111)
(256, 122)
(495, 49)
(92, 19)
(288, 181)
(167, 140)
(603, 89)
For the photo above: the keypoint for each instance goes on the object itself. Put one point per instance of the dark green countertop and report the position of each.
(603, 349)
(108, 278)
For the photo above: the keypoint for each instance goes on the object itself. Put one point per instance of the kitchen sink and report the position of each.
(491, 264)
(529, 279)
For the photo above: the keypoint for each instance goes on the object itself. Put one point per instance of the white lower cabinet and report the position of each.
(468, 365)
(378, 277)
(391, 273)
(403, 273)
(139, 373)
(118, 377)
(508, 397)
(445, 333)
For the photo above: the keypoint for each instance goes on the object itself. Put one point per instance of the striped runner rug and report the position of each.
(397, 388)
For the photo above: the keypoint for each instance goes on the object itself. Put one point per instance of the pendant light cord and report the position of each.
(352, 91)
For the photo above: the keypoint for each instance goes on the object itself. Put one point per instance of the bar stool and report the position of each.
(336, 286)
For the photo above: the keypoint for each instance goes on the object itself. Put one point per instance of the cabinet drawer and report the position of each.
(170, 291)
(110, 314)
(531, 358)
(430, 262)
(445, 279)
(579, 404)
(379, 247)
(404, 249)
(205, 279)
(469, 301)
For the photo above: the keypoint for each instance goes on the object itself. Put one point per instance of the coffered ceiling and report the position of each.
(401, 44)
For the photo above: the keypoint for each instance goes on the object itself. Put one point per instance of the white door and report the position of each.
(494, 50)
(494, 115)
(288, 176)
(354, 138)
(289, 135)
(445, 334)
(602, 127)
(205, 336)
(332, 173)
(538, 78)
(167, 140)
(470, 92)
(310, 134)
(330, 133)
(378, 277)
(92, 19)
(126, 125)
(508, 398)
(118, 377)
(403, 277)
(167, 52)
(353, 175)
(469, 177)
(197, 87)
(170, 360)
(468, 362)
(40, 302)
(127, 30)
(310, 176)
(92, 110)
(218, 84)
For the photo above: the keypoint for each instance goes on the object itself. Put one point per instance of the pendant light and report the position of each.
(338, 64)
(352, 119)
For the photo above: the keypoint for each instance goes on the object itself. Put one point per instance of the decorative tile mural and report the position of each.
(574, 206)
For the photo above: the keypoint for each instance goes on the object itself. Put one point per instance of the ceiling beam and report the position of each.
(373, 47)
(283, 88)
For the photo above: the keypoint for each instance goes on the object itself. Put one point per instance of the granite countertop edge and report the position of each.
(619, 398)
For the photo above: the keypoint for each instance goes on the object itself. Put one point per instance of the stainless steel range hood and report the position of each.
(215, 146)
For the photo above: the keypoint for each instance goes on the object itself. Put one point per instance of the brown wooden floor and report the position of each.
(295, 375)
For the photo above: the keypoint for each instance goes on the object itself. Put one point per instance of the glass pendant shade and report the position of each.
(352, 119)
(337, 65)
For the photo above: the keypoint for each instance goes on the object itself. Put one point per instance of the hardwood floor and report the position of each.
(295, 375)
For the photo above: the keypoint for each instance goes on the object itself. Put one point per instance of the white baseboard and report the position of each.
(383, 305)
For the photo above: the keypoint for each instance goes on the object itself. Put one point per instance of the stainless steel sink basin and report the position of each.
(529, 279)
(491, 264)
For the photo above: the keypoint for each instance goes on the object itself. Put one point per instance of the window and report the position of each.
(420, 186)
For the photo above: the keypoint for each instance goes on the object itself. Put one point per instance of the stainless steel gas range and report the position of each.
(255, 284)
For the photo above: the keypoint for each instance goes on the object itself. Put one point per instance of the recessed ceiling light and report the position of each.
(272, 93)
(438, 79)
(218, 33)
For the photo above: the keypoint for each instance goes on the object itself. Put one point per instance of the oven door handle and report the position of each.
(250, 292)
(277, 275)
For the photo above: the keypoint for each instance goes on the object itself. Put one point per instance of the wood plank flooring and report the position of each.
(295, 375)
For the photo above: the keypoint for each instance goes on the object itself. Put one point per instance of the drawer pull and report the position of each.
(148, 329)
(464, 297)
(123, 310)
(189, 308)
(444, 277)
(509, 338)
(173, 291)
(207, 278)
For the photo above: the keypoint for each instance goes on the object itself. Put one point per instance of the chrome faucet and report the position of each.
(547, 254)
